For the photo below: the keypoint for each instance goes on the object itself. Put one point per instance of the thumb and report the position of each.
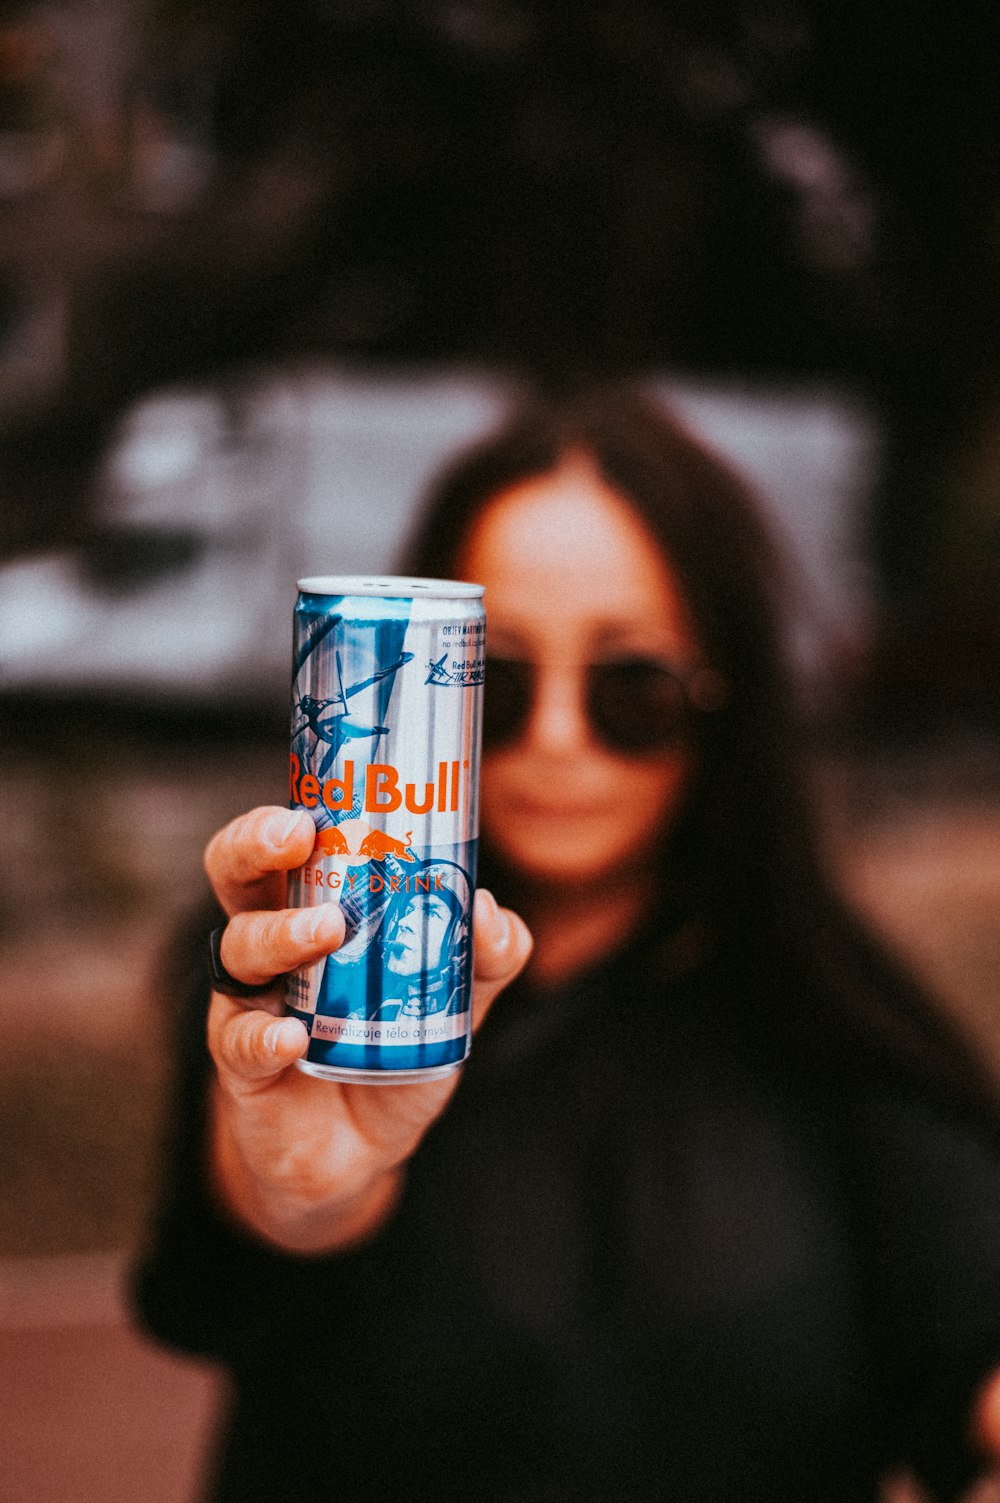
(502, 946)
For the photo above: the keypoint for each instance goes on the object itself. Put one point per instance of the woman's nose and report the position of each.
(558, 723)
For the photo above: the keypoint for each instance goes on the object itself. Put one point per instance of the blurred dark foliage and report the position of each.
(780, 189)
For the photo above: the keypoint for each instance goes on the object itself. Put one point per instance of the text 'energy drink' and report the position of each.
(386, 725)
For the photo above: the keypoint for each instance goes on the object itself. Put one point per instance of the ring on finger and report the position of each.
(222, 980)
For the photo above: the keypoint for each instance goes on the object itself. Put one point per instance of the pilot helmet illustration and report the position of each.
(427, 927)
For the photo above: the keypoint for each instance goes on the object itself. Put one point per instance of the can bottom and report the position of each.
(377, 1077)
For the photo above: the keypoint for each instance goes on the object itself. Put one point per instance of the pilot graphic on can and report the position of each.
(424, 941)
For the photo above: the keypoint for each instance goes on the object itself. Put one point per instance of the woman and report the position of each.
(712, 1211)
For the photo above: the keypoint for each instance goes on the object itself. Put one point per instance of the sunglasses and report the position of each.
(636, 705)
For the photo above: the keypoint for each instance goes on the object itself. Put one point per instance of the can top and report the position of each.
(398, 586)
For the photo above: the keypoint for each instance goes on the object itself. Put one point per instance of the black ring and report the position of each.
(220, 977)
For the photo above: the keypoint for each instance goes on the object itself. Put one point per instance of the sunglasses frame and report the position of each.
(704, 692)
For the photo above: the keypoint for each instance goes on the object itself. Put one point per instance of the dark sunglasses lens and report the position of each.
(507, 691)
(636, 705)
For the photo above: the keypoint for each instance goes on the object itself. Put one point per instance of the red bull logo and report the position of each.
(377, 845)
(356, 844)
(382, 792)
(331, 843)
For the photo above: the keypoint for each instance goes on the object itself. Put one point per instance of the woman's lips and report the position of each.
(577, 808)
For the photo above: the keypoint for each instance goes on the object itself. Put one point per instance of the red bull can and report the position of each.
(386, 728)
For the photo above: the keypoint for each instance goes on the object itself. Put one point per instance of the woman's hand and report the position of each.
(312, 1165)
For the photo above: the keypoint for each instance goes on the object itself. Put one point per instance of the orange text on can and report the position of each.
(382, 793)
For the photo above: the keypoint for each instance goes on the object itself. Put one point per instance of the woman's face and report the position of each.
(572, 577)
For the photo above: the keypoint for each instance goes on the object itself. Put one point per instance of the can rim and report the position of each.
(396, 586)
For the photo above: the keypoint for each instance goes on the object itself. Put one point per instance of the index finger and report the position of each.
(247, 859)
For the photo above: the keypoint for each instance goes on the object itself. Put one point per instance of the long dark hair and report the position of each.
(744, 857)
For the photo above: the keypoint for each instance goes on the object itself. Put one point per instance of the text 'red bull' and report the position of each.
(382, 791)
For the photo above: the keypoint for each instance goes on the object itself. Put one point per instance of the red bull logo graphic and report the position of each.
(377, 845)
(356, 844)
(331, 843)
(382, 793)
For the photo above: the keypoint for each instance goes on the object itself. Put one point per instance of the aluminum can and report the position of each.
(386, 729)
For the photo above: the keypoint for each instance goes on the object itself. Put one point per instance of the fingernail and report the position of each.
(281, 1035)
(311, 926)
(492, 917)
(520, 932)
(496, 920)
(279, 827)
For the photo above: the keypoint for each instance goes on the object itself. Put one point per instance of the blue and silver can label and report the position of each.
(386, 727)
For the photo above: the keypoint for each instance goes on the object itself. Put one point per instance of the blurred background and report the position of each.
(262, 268)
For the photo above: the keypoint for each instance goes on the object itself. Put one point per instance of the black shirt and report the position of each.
(650, 1251)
